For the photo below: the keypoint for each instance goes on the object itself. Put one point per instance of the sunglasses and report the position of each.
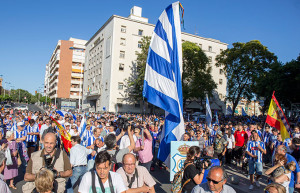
(215, 182)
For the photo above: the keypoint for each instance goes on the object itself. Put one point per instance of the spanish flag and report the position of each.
(277, 119)
(65, 136)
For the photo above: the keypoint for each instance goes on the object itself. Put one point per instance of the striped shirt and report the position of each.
(32, 129)
(87, 134)
(252, 147)
(212, 136)
(90, 141)
(266, 137)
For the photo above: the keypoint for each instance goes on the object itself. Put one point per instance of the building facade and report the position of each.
(111, 55)
(64, 74)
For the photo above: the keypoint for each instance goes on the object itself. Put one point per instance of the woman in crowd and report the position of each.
(281, 171)
(191, 175)
(143, 147)
(11, 171)
(44, 181)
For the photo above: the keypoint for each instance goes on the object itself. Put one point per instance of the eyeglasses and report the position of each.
(215, 182)
(132, 164)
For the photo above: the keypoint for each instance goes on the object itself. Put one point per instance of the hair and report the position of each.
(31, 121)
(209, 150)
(110, 141)
(229, 133)
(76, 139)
(224, 174)
(102, 157)
(193, 151)
(95, 130)
(291, 166)
(280, 157)
(44, 180)
(280, 188)
(283, 148)
(126, 155)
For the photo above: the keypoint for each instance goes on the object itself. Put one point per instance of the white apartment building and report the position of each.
(111, 53)
(64, 74)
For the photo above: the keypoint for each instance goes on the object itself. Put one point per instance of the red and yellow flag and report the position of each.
(65, 136)
(277, 119)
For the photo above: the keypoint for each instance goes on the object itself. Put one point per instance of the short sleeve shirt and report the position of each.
(189, 173)
(86, 183)
(219, 144)
(144, 177)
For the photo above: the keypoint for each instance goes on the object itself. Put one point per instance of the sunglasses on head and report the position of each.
(214, 181)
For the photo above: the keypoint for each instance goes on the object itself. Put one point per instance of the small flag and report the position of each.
(243, 112)
(82, 126)
(65, 136)
(208, 113)
(277, 119)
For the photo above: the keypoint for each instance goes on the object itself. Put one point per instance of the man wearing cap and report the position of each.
(78, 160)
(220, 147)
(20, 137)
(3, 186)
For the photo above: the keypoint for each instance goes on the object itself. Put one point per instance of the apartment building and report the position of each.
(111, 54)
(64, 74)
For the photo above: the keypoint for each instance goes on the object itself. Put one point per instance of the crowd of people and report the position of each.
(117, 152)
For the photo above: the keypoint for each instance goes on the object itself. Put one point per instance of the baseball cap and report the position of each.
(20, 124)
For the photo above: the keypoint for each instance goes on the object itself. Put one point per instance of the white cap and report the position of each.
(67, 124)
(20, 124)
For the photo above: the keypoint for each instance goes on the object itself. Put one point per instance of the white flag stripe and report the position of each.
(167, 27)
(159, 46)
(161, 83)
(175, 7)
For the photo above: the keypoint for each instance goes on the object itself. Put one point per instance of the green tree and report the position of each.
(196, 75)
(135, 82)
(244, 65)
(284, 79)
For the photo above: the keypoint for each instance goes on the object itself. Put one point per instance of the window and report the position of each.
(220, 81)
(108, 48)
(123, 42)
(140, 33)
(210, 59)
(221, 50)
(120, 86)
(139, 45)
(122, 54)
(210, 48)
(123, 29)
(221, 71)
(121, 67)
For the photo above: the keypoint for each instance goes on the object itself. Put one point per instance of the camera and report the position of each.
(48, 165)
(124, 124)
(199, 162)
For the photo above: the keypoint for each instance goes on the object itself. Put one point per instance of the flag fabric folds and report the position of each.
(82, 126)
(243, 112)
(61, 113)
(208, 116)
(277, 119)
(65, 136)
(217, 118)
(162, 83)
(228, 110)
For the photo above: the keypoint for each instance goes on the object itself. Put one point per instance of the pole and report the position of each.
(79, 104)
(4, 89)
(19, 95)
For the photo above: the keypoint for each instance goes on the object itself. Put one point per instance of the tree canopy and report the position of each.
(244, 65)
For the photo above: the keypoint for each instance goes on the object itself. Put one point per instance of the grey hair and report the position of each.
(283, 148)
(224, 174)
(209, 150)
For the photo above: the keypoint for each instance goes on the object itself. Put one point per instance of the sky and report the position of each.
(30, 30)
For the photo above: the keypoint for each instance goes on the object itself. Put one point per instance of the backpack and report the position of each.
(178, 177)
(114, 164)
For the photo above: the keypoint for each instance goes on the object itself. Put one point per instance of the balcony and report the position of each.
(93, 93)
(75, 89)
(76, 75)
(76, 82)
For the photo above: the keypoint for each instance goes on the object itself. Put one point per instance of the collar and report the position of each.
(43, 153)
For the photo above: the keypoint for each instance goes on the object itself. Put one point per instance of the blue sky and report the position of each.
(29, 30)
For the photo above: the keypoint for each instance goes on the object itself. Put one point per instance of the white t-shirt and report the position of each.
(286, 183)
(86, 183)
(230, 141)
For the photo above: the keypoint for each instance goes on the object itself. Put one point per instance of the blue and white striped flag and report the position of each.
(162, 84)
(62, 113)
(208, 113)
(82, 126)
(243, 112)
